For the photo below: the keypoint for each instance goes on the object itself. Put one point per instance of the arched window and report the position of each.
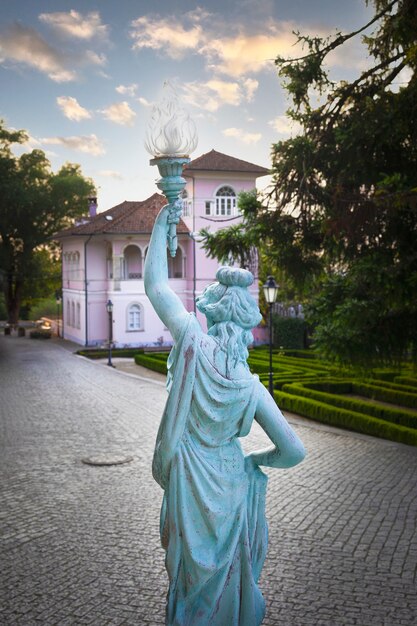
(78, 315)
(225, 201)
(68, 313)
(135, 317)
(132, 260)
(76, 275)
(72, 314)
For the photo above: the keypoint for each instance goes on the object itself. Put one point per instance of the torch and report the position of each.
(170, 138)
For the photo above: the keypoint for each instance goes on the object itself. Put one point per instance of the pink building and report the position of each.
(103, 255)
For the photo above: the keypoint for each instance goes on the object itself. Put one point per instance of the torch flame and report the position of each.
(171, 132)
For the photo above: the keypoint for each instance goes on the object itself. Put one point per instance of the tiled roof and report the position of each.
(217, 161)
(129, 217)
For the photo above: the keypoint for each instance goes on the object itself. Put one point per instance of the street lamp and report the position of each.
(58, 302)
(196, 238)
(270, 292)
(170, 138)
(109, 307)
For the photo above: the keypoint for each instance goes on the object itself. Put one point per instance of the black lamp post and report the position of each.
(58, 302)
(270, 292)
(109, 307)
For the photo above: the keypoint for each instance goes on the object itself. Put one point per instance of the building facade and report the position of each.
(103, 255)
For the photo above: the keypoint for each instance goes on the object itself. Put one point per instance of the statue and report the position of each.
(213, 525)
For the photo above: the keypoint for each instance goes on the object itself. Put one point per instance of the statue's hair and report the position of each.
(231, 310)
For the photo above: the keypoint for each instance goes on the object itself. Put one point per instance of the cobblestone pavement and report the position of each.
(80, 543)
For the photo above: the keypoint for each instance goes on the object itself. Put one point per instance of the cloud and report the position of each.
(240, 54)
(95, 59)
(86, 143)
(25, 45)
(74, 24)
(240, 134)
(211, 95)
(119, 113)
(127, 90)
(228, 50)
(71, 109)
(284, 125)
(168, 34)
(110, 174)
(251, 85)
(144, 102)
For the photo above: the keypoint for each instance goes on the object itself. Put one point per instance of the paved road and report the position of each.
(80, 543)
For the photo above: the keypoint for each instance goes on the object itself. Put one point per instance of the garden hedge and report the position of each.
(101, 353)
(384, 394)
(406, 380)
(345, 419)
(152, 363)
(396, 416)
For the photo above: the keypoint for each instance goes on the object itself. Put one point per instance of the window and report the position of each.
(208, 208)
(68, 313)
(135, 317)
(78, 315)
(72, 314)
(225, 201)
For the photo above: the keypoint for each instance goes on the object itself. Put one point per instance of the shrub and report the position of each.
(101, 353)
(384, 374)
(396, 416)
(289, 332)
(331, 386)
(46, 307)
(384, 394)
(40, 333)
(406, 380)
(345, 419)
(389, 385)
(152, 363)
(3, 310)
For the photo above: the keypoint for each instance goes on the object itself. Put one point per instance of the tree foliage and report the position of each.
(345, 188)
(34, 204)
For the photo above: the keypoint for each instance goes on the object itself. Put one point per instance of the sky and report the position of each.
(81, 77)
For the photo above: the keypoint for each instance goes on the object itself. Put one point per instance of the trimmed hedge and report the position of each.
(406, 380)
(289, 332)
(390, 385)
(101, 353)
(384, 394)
(396, 416)
(40, 333)
(342, 418)
(331, 385)
(152, 363)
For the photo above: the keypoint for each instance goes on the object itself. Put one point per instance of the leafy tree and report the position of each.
(34, 204)
(345, 188)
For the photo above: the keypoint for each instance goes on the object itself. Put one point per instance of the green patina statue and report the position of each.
(213, 524)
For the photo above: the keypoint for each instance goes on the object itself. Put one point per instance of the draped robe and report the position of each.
(213, 525)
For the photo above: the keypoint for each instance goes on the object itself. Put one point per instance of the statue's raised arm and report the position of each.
(165, 301)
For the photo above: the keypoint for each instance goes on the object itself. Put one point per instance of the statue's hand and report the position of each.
(174, 212)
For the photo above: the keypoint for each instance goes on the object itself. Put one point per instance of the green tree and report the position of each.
(34, 204)
(345, 188)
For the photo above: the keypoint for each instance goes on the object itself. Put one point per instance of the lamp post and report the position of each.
(270, 292)
(58, 302)
(196, 238)
(109, 307)
(170, 138)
